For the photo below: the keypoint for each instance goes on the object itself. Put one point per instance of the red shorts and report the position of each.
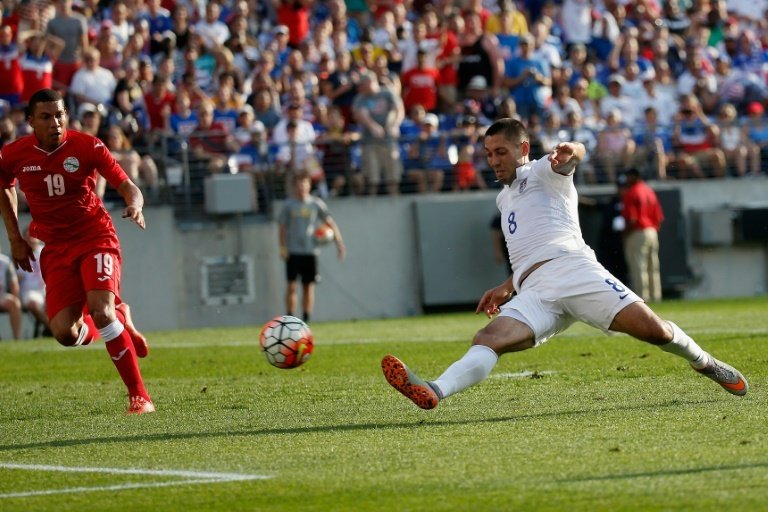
(71, 270)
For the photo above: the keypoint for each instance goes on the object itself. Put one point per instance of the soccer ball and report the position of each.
(286, 342)
(324, 234)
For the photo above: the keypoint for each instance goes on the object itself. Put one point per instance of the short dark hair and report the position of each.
(512, 129)
(42, 96)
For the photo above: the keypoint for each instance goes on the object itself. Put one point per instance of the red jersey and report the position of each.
(60, 186)
(420, 86)
(641, 207)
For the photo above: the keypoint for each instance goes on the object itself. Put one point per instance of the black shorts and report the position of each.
(304, 265)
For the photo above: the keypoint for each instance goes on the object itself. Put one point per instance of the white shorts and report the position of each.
(567, 289)
(33, 296)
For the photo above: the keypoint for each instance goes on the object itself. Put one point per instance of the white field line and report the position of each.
(191, 478)
(521, 375)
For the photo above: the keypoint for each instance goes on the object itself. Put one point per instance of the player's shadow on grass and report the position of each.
(63, 443)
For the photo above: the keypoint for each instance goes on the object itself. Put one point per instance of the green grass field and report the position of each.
(586, 422)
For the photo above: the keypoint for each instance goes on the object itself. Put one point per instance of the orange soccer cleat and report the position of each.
(408, 383)
(140, 405)
(726, 375)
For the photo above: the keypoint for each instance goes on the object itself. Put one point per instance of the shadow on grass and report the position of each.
(340, 428)
(666, 473)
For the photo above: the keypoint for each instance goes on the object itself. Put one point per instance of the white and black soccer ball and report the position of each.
(286, 341)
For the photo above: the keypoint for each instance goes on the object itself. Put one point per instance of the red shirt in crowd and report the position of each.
(420, 86)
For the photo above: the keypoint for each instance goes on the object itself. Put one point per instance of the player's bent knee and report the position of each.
(66, 338)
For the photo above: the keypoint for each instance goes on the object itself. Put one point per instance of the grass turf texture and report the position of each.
(603, 423)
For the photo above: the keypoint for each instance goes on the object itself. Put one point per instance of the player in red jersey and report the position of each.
(56, 168)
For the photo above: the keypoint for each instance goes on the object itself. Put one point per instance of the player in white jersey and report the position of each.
(556, 279)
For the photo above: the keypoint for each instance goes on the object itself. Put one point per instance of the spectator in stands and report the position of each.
(90, 117)
(756, 131)
(183, 119)
(695, 141)
(128, 98)
(430, 151)
(7, 131)
(388, 79)
(212, 30)
(294, 138)
(550, 133)
(574, 63)
(480, 55)
(379, 114)
(158, 19)
(698, 71)
(32, 286)
(563, 103)
(11, 77)
(481, 95)
(419, 49)
(466, 175)
(42, 52)
(141, 169)
(734, 142)
(211, 143)
(159, 102)
(121, 27)
(335, 144)
(420, 84)
(590, 116)
(341, 86)
(578, 132)
(227, 102)
(448, 60)
(528, 80)
(617, 100)
(661, 99)
(653, 144)
(72, 28)
(93, 83)
(615, 147)
(576, 18)
(509, 20)
(9, 295)
(109, 49)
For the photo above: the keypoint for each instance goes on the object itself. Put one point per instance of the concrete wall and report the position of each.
(390, 270)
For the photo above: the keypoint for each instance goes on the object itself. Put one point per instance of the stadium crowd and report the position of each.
(390, 96)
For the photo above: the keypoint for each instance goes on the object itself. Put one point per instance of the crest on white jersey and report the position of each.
(71, 164)
(523, 184)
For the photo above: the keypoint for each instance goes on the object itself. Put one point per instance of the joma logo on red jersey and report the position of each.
(30, 168)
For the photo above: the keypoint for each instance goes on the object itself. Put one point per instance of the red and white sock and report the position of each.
(120, 348)
(88, 331)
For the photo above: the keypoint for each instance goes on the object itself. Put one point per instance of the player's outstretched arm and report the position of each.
(134, 202)
(21, 251)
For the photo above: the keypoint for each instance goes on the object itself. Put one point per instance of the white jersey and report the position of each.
(539, 217)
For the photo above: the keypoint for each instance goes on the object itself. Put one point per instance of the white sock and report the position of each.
(112, 331)
(684, 346)
(472, 368)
